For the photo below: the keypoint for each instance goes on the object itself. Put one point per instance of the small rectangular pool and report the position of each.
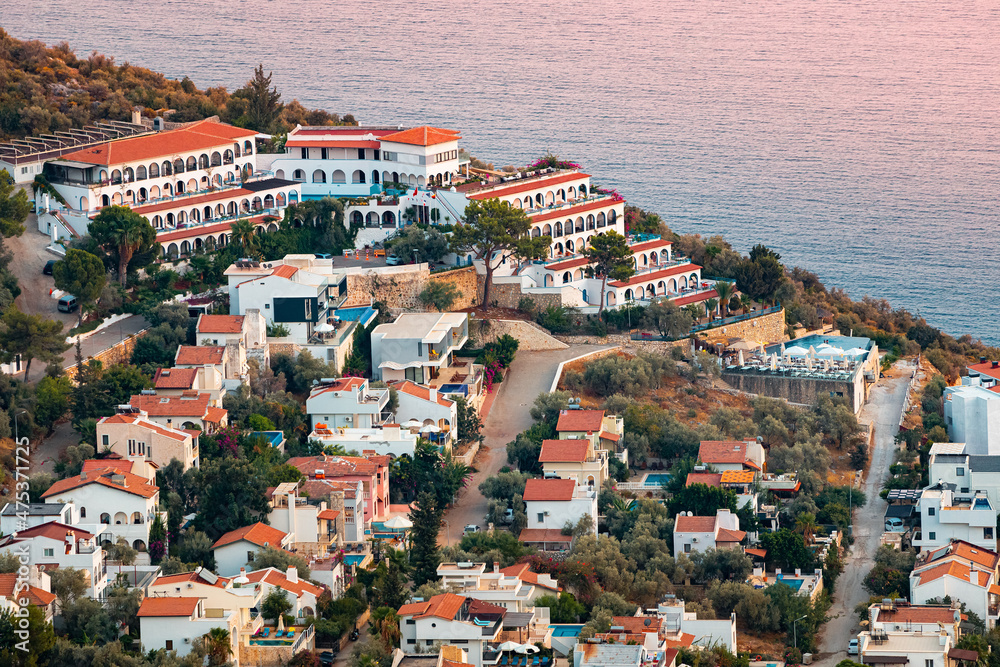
(354, 559)
(462, 389)
(794, 584)
(566, 630)
(654, 480)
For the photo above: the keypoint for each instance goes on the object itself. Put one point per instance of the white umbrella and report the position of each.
(796, 351)
(508, 646)
(526, 648)
(739, 357)
(774, 362)
(812, 351)
(400, 522)
(281, 622)
(430, 428)
(809, 363)
(830, 352)
(782, 348)
(413, 423)
(855, 351)
(324, 328)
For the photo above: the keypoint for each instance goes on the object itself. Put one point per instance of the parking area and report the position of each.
(30, 256)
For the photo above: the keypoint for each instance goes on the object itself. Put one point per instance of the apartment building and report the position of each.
(133, 433)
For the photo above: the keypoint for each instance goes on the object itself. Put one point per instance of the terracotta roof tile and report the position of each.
(445, 605)
(134, 484)
(258, 533)
(549, 490)
(655, 275)
(527, 185)
(635, 625)
(580, 420)
(694, 524)
(342, 384)
(738, 476)
(285, 271)
(159, 429)
(523, 572)
(38, 596)
(172, 406)
(420, 391)
(536, 535)
(572, 210)
(278, 578)
(422, 136)
(650, 245)
(203, 135)
(564, 451)
(220, 324)
(722, 451)
(706, 478)
(199, 355)
(727, 535)
(195, 201)
(695, 298)
(918, 614)
(175, 378)
(215, 415)
(158, 607)
(194, 577)
(54, 531)
(120, 465)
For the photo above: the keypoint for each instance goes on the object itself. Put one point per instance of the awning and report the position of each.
(885, 660)
(400, 367)
(515, 620)
(963, 654)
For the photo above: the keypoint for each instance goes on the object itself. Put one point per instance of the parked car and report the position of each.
(471, 528)
(67, 303)
(327, 658)
(508, 516)
(392, 260)
(852, 647)
(894, 525)
(48, 267)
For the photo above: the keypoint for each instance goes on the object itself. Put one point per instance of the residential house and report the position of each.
(951, 463)
(312, 528)
(15, 594)
(945, 515)
(928, 648)
(346, 497)
(191, 410)
(552, 504)
(301, 594)
(515, 588)
(54, 545)
(234, 550)
(371, 471)
(243, 336)
(961, 571)
(127, 504)
(202, 379)
(613, 654)
(204, 356)
(430, 406)
(15, 517)
(220, 596)
(174, 623)
(732, 455)
(450, 620)
(330, 572)
(701, 533)
(740, 482)
(604, 431)
(419, 347)
(972, 415)
(893, 616)
(348, 402)
(678, 621)
(805, 584)
(134, 434)
(387, 440)
(576, 460)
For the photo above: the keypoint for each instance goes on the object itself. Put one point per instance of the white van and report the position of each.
(894, 525)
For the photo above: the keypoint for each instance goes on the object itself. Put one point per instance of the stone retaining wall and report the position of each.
(509, 295)
(400, 290)
(765, 329)
(624, 341)
(529, 335)
(120, 353)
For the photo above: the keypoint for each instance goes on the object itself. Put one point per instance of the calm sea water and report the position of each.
(859, 139)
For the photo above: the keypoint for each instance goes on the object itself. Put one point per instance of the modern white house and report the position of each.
(972, 415)
(894, 616)
(448, 619)
(57, 545)
(701, 533)
(348, 402)
(960, 571)
(234, 550)
(947, 515)
(707, 632)
(127, 504)
(388, 440)
(951, 464)
(302, 595)
(430, 406)
(312, 527)
(174, 623)
(418, 346)
(931, 648)
(16, 594)
(516, 588)
(552, 504)
(133, 434)
(16, 517)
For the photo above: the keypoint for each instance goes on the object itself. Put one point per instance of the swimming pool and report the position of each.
(354, 559)
(654, 480)
(794, 584)
(566, 630)
(462, 389)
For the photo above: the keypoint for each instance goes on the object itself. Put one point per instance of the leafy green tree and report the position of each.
(275, 605)
(263, 101)
(81, 274)
(127, 239)
(219, 645)
(702, 499)
(424, 551)
(610, 257)
(760, 276)
(52, 400)
(726, 290)
(39, 638)
(504, 485)
(668, 319)
(787, 550)
(496, 232)
(279, 559)
(232, 496)
(469, 425)
(523, 452)
(440, 295)
(425, 245)
(885, 581)
(564, 609)
(244, 235)
(14, 206)
(30, 337)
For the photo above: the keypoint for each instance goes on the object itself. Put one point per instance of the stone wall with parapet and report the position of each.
(120, 353)
(529, 335)
(508, 294)
(399, 287)
(765, 329)
(624, 341)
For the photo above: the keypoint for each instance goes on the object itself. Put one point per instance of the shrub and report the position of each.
(630, 377)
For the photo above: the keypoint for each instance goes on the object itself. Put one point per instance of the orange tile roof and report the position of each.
(162, 145)
(655, 275)
(580, 420)
(175, 378)
(420, 391)
(195, 201)
(726, 535)
(973, 553)
(342, 384)
(258, 533)
(338, 466)
(108, 463)
(220, 324)
(722, 451)
(694, 298)
(543, 535)
(952, 568)
(331, 143)
(694, 524)
(528, 184)
(986, 369)
(706, 478)
(567, 264)
(285, 271)
(201, 230)
(917, 614)
(423, 136)
(54, 531)
(650, 245)
(37, 596)
(524, 572)
(329, 515)
(563, 451)
(760, 553)
(172, 406)
(607, 435)
(445, 606)
(158, 607)
(137, 486)
(215, 415)
(159, 429)
(682, 639)
(738, 476)
(636, 625)
(198, 355)
(193, 577)
(549, 490)
(574, 209)
(278, 578)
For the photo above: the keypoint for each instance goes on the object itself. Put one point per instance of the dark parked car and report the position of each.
(354, 635)
(327, 658)
(48, 267)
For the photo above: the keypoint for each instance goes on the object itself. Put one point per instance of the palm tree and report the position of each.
(245, 235)
(725, 291)
(219, 646)
(620, 503)
(747, 302)
(710, 306)
(385, 623)
(805, 524)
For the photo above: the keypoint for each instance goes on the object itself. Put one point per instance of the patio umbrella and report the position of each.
(782, 348)
(400, 522)
(855, 351)
(508, 646)
(812, 351)
(739, 358)
(430, 428)
(281, 622)
(774, 362)
(324, 328)
(745, 345)
(413, 423)
(796, 351)
(830, 352)
(526, 648)
(809, 363)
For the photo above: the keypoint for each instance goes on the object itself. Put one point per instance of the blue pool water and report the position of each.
(654, 480)
(354, 559)
(360, 314)
(794, 584)
(454, 389)
(566, 630)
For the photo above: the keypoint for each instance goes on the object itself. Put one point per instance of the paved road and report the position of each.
(884, 408)
(30, 257)
(530, 375)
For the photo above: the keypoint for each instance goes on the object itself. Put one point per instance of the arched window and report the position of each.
(83, 512)
(236, 149)
(129, 175)
(140, 173)
(358, 176)
(116, 177)
(338, 177)
(227, 157)
(319, 176)
(216, 159)
(375, 176)
(154, 170)
(106, 518)
(203, 161)
(299, 176)
(192, 164)
(248, 147)
(137, 517)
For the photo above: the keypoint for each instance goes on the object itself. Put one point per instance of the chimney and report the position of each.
(69, 542)
(973, 578)
(136, 116)
(496, 567)
(83, 474)
(292, 574)
(995, 364)
(982, 360)
(433, 394)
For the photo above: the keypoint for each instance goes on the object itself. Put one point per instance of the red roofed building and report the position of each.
(138, 436)
(732, 455)
(963, 572)
(13, 592)
(189, 410)
(301, 594)
(575, 460)
(371, 471)
(174, 623)
(701, 533)
(235, 549)
(602, 430)
(242, 336)
(203, 379)
(552, 504)
(53, 545)
(451, 620)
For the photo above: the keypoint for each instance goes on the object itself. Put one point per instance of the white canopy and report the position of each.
(830, 352)
(508, 646)
(527, 648)
(430, 428)
(413, 423)
(324, 327)
(399, 522)
(855, 351)
(796, 351)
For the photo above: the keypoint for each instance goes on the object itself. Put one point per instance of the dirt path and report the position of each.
(530, 375)
(884, 408)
